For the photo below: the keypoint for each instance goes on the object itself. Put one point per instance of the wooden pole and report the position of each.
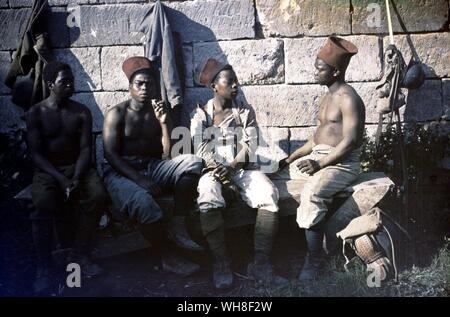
(388, 12)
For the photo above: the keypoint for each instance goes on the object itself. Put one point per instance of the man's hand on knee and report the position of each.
(308, 166)
(223, 173)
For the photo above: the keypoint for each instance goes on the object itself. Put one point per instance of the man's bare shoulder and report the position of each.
(35, 111)
(349, 96)
(78, 107)
(117, 112)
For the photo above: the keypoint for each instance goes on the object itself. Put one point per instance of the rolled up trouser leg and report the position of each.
(266, 228)
(212, 224)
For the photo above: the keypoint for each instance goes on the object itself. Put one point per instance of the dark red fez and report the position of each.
(132, 64)
(210, 70)
(337, 52)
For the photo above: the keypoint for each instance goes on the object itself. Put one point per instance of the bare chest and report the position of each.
(329, 111)
(60, 123)
(143, 125)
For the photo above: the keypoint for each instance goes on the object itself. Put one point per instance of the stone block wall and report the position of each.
(271, 44)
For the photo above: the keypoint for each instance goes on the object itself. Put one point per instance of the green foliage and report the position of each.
(430, 281)
(425, 145)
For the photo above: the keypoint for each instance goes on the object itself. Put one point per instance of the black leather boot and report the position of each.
(213, 228)
(42, 231)
(314, 259)
(171, 262)
(266, 228)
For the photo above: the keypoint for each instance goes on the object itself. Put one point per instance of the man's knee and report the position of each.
(144, 209)
(46, 203)
(266, 195)
(207, 181)
(210, 193)
(192, 163)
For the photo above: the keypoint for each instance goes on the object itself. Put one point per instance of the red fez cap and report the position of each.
(337, 52)
(210, 70)
(135, 63)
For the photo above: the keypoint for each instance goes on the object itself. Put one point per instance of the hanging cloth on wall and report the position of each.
(160, 47)
(25, 73)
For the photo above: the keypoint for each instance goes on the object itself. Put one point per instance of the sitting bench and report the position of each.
(367, 191)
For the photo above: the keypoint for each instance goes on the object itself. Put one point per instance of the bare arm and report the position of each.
(84, 157)
(302, 151)
(166, 127)
(351, 124)
(34, 140)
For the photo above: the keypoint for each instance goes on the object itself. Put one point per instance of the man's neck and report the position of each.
(55, 101)
(221, 104)
(136, 105)
(336, 85)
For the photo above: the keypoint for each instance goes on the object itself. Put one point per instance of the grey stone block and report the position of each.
(56, 27)
(299, 136)
(112, 58)
(301, 55)
(416, 15)
(20, 3)
(306, 17)
(191, 98)
(283, 105)
(10, 115)
(211, 20)
(85, 64)
(99, 103)
(107, 24)
(273, 145)
(424, 103)
(255, 61)
(12, 25)
(369, 95)
(5, 62)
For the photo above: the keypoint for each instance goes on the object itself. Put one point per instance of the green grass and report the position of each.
(430, 282)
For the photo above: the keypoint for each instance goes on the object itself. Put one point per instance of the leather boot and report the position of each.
(266, 228)
(213, 228)
(42, 231)
(314, 259)
(171, 262)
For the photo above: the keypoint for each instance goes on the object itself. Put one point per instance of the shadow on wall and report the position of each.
(85, 85)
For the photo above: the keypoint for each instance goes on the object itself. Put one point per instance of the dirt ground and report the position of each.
(136, 273)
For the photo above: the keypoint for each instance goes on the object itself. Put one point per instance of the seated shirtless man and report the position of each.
(136, 135)
(329, 161)
(60, 142)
